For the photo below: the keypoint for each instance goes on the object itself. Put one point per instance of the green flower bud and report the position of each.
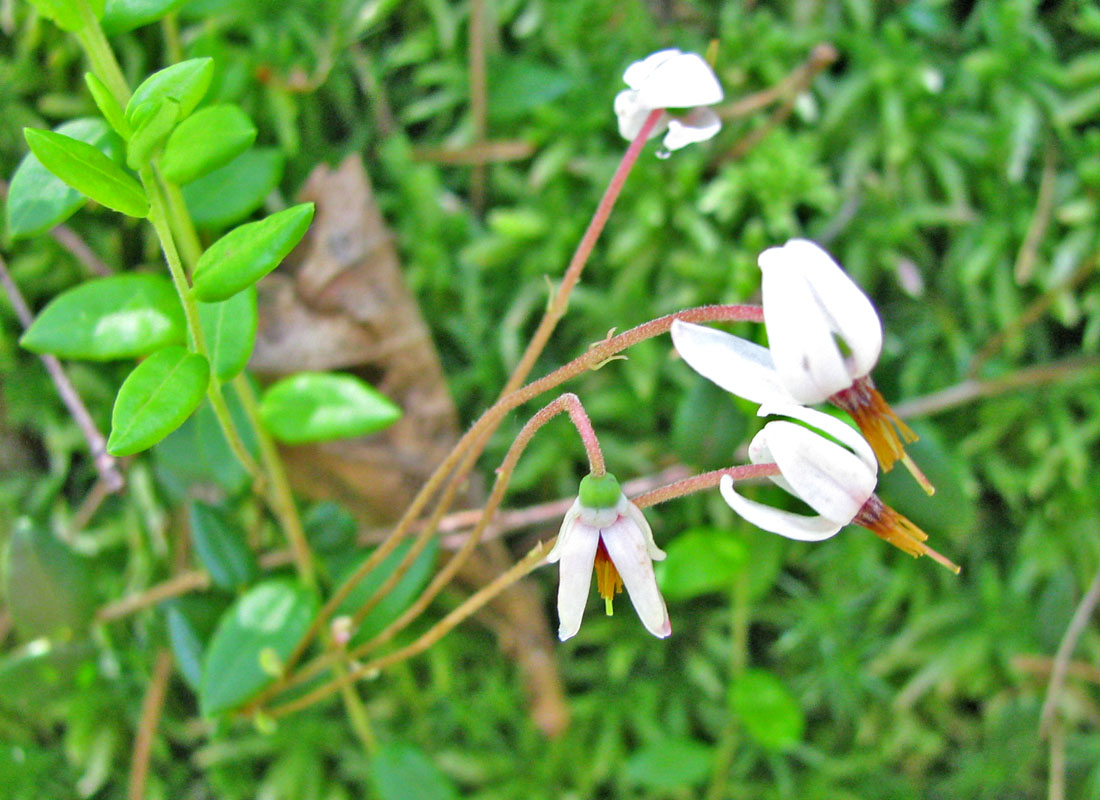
(599, 491)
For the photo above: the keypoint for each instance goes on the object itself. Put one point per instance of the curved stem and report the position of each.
(708, 480)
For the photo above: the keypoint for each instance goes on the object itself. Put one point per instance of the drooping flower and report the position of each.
(838, 482)
(681, 84)
(824, 339)
(605, 532)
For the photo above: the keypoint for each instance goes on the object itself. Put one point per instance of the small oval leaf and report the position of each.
(38, 199)
(190, 621)
(156, 398)
(229, 328)
(208, 139)
(122, 316)
(270, 617)
(185, 82)
(120, 16)
(767, 709)
(87, 170)
(230, 194)
(151, 129)
(401, 772)
(247, 253)
(317, 406)
(48, 588)
(107, 105)
(221, 547)
(701, 560)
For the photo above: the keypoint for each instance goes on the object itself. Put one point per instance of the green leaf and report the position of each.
(669, 765)
(706, 428)
(229, 194)
(229, 328)
(37, 199)
(107, 105)
(48, 589)
(520, 85)
(122, 316)
(156, 398)
(63, 13)
(190, 621)
(329, 528)
(221, 547)
(769, 712)
(151, 128)
(120, 16)
(247, 253)
(401, 772)
(205, 141)
(272, 617)
(399, 597)
(317, 406)
(185, 82)
(87, 170)
(701, 560)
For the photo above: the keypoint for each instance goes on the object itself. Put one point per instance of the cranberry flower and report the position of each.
(824, 339)
(605, 531)
(835, 480)
(682, 84)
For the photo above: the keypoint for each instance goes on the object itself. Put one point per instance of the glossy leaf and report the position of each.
(318, 406)
(120, 16)
(270, 617)
(87, 170)
(329, 528)
(767, 709)
(669, 765)
(107, 105)
(151, 128)
(229, 328)
(701, 560)
(190, 622)
(221, 547)
(208, 139)
(244, 255)
(398, 598)
(37, 199)
(122, 316)
(230, 194)
(63, 13)
(48, 589)
(401, 772)
(156, 398)
(186, 83)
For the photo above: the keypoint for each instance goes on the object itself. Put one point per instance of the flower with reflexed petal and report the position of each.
(681, 84)
(824, 339)
(838, 482)
(606, 532)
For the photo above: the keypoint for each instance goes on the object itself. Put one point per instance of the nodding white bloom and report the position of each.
(681, 83)
(824, 338)
(605, 531)
(835, 480)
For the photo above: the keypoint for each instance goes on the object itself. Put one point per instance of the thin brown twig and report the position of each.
(479, 98)
(1040, 219)
(105, 464)
(99, 492)
(150, 717)
(1056, 780)
(1065, 650)
(792, 84)
(1032, 313)
(1044, 665)
(488, 152)
(822, 56)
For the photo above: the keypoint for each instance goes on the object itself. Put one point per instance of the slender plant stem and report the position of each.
(568, 402)
(708, 480)
(560, 301)
(596, 356)
(182, 226)
(1073, 632)
(100, 55)
(151, 709)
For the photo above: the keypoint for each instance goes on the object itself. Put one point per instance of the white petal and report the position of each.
(851, 314)
(683, 80)
(630, 510)
(698, 126)
(793, 526)
(632, 116)
(831, 425)
(639, 72)
(626, 544)
(800, 335)
(829, 478)
(575, 578)
(564, 531)
(737, 365)
(760, 454)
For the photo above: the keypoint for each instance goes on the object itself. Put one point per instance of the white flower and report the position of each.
(834, 481)
(670, 79)
(838, 482)
(608, 533)
(809, 303)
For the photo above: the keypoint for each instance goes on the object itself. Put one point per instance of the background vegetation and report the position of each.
(949, 157)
